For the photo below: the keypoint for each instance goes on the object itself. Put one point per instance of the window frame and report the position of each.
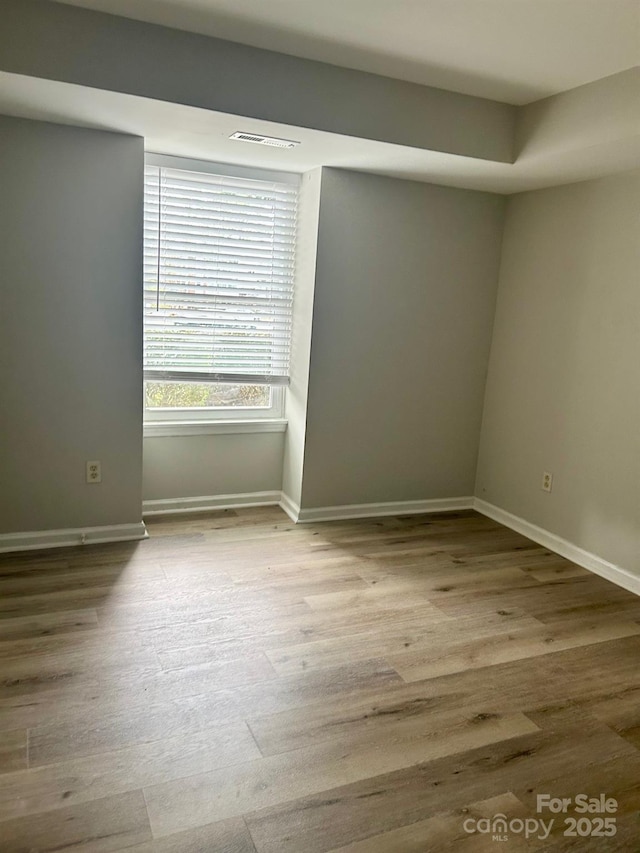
(187, 421)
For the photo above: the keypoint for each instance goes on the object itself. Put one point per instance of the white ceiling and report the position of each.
(509, 50)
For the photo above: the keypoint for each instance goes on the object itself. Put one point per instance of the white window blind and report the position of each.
(219, 253)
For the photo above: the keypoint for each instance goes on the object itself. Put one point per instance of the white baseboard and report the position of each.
(290, 507)
(209, 502)
(326, 513)
(376, 510)
(586, 559)
(38, 539)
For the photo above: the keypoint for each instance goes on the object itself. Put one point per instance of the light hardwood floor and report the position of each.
(238, 684)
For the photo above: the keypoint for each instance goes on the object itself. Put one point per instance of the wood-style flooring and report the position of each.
(240, 684)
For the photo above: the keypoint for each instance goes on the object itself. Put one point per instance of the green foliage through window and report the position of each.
(205, 395)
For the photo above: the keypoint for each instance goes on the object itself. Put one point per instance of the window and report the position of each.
(219, 255)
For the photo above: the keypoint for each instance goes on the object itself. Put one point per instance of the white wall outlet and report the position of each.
(547, 481)
(94, 472)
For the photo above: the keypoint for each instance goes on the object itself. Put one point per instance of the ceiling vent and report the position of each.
(273, 141)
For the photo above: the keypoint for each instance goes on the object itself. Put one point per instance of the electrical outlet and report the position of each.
(94, 472)
(547, 481)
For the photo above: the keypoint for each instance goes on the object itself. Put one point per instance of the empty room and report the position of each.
(319, 426)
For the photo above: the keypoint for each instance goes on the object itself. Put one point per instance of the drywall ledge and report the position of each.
(609, 571)
(207, 503)
(38, 539)
(118, 54)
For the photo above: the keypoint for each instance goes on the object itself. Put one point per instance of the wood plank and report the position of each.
(191, 802)
(23, 674)
(399, 634)
(374, 708)
(97, 827)
(80, 780)
(228, 636)
(446, 831)
(13, 750)
(517, 644)
(47, 624)
(226, 836)
(87, 577)
(620, 711)
(116, 729)
(600, 670)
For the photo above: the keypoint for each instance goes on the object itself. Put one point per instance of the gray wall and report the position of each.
(70, 326)
(404, 303)
(563, 394)
(206, 465)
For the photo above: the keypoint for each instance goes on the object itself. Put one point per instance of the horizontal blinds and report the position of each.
(219, 256)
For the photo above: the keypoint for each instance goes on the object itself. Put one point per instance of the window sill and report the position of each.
(155, 429)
